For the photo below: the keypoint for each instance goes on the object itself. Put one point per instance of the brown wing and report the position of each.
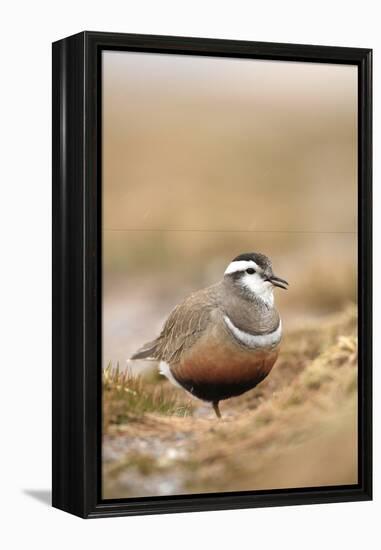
(145, 352)
(185, 325)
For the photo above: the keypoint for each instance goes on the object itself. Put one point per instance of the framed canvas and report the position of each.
(211, 274)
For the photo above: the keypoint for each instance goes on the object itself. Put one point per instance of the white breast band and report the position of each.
(255, 340)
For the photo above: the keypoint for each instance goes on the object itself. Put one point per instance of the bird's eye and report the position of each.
(250, 270)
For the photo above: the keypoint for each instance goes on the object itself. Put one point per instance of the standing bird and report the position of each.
(223, 340)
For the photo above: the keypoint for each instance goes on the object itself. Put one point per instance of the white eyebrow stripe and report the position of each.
(241, 265)
(255, 340)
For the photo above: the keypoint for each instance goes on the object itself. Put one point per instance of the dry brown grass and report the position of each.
(127, 397)
(298, 428)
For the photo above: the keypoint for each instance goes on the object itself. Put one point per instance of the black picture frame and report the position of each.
(77, 272)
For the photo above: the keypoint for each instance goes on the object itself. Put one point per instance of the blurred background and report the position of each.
(205, 158)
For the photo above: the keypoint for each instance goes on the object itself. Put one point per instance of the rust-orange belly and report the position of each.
(218, 367)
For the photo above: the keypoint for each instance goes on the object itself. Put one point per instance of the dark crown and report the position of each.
(260, 259)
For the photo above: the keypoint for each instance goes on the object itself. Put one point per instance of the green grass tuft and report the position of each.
(127, 396)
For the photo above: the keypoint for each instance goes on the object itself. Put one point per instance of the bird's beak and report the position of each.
(277, 281)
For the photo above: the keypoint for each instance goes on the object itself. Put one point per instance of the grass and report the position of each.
(127, 397)
(298, 428)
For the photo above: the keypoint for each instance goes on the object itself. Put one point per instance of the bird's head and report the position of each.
(253, 273)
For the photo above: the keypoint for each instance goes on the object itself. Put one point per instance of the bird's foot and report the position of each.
(216, 409)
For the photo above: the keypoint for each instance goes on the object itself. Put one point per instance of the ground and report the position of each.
(298, 428)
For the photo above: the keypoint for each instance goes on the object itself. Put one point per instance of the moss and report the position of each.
(294, 399)
(351, 386)
(144, 464)
(264, 417)
(315, 376)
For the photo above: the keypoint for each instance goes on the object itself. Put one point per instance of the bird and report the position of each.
(223, 340)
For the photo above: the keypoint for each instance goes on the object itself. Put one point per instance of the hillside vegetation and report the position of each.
(298, 428)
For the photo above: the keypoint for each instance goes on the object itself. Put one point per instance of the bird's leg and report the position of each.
(216, 409)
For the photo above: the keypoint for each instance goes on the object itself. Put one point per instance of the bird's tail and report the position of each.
(146, 352)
